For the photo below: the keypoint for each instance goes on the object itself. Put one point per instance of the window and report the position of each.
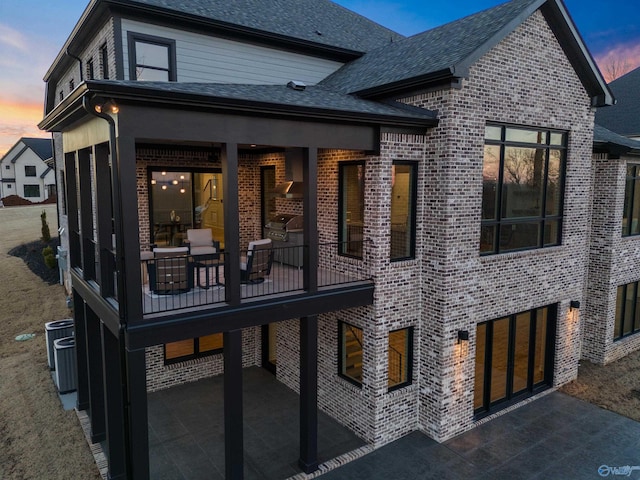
(31, 191)
(522, 188)
(400, 355)
(627, 311)
(403, 210)
(351, 208)
(90, 70)
(151, 58)
(350, 353)
(71, 85)
(630, 224)
(7, 167)
(61, 95)
(104, 61)
(29, 170)
(193, 348)
(9, 186)
(514, 358)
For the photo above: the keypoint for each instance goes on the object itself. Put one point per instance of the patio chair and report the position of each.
(205, 252)
(257, 264)
(170, 271)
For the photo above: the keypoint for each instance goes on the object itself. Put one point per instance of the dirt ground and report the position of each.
(39, 440)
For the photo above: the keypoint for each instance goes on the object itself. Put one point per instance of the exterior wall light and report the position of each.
(574, 304)
(463, 336)
(109, 106)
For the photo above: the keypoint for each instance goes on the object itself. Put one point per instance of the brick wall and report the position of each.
(613, 261)
(460, 288)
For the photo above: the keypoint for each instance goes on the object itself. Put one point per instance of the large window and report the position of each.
(514, 358)
(184, 199)
(350, 353)
(29, 171)
(351, 208)
(151, 58)
(523, 183)
(31, 191)
(630, 223)
(627, 311)
(193, 348)
(400, 354)
(403, 210)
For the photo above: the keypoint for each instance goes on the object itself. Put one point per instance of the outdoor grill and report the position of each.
(285, 231)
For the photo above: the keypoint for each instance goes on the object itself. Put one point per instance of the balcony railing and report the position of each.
(186, 281)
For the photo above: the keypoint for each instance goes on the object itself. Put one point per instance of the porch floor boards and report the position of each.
(186, 430)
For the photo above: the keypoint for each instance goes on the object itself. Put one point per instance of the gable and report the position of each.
(624, 116)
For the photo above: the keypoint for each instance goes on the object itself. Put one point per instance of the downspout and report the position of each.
(79, 63)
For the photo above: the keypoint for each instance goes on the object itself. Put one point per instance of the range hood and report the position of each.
(293, 186)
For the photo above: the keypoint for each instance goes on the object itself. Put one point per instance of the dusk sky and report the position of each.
(32, 33)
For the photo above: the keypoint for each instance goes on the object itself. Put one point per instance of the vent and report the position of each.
(296, 85)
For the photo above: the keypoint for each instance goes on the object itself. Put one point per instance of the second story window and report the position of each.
(403, 210)
(29, 170)
(104, 61)
(90, 72)
(72, 85)
(351, 208)
(631, 215)
(522, 188)
(151, 58)
(61, 95)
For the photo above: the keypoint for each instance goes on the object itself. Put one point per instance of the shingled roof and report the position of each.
(40, 146)
(604, 139)
(624, 116)
(317, 21)
(449, 50)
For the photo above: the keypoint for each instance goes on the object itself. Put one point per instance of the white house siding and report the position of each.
(613, 261)
(460, 288)
(92, 50)
(203, 58)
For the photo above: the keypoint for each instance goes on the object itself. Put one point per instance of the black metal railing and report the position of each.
(184, 281)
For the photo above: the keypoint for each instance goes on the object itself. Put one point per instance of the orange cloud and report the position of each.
(18, 120)
(618, 60)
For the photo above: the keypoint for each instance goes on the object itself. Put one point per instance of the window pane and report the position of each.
(525, 136)
(499, 359)
(179, 349)
(152, 55)
(521, 352)
(171, 207)
(557, 139)
(398, 351)
(554, 194)
(540, 346)
(490, 175)
(478, 392)
(209, 208)
(523, 179)
(150, 75)
(628, 192)
(492, 132)
(487, 239)
(617, 332)
(636, 323)
(351, 343)
(518, 236)
(352, 198)
(31, 191)
(210, 342)
(402, 201)
(29, 171)
(551, 233)
(635, 208)
(628, 309)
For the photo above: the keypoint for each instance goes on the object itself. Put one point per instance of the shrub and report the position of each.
(50, 261)
(46, 234)
(46, 251)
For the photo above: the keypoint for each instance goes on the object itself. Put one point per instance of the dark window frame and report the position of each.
(342, 353)
(72, 85)
(413, 200)
(621, 314)
(31, 186)
(104, 61)
(500, 222)
(133, 38)
(90, 69)
(342, 220)
(488, 407)
(409, 359)
(631, 186)
(196, 353)
(32, 172)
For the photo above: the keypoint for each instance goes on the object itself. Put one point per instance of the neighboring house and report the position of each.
(624, 117)
(443, 180)
(26, 170)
